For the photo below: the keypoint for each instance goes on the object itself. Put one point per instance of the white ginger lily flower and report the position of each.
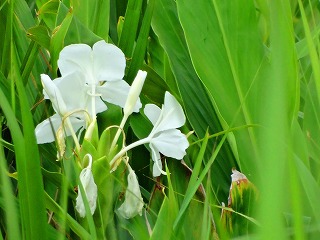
(165, 138)
(68, 98)
(103, 66)
(133, 202)
(90, 190)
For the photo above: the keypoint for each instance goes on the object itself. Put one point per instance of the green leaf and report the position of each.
(57, 40)
(141, 45)
(196, 101)
(48, 11)
(40, 35)
(130, 26)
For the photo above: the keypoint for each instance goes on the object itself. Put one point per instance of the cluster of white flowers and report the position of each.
(90, 76)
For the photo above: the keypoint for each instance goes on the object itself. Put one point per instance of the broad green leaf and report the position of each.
(225, 49)
(94, 15)
(197, 103)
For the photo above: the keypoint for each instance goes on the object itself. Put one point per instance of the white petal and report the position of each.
(76, 57)
(115, 92)
(109, 62)
(91, 191)
(172, 114)
(157, 166)
(44, 132)
(54, 94)
(73, 91)
(237, 176)
(152, 112)
(133, 202)
(171, 143)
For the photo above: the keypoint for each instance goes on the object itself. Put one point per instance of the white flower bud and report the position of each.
(90, 189)
(134, 92)
(133, 203)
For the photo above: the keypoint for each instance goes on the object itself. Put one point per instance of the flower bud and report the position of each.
(134, 93)
(133, 203)
(90, 190)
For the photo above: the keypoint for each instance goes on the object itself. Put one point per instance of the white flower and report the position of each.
(103, 66)
(90, 189)
(165, 138)
(133, 202)
(68, 98)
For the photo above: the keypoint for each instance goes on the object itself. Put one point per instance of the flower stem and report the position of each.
(129, 147)
(73, 134)
(93, 100)
(116, 137)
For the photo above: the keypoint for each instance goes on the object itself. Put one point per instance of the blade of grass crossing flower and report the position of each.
(12, 224)
(208, 231)
(167, 214)
(197, 167)
(31, 189)
(142, 42)
(192, 190)
(89, 217)
(130, 26)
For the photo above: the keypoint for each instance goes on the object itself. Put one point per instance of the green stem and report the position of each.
(129, 147)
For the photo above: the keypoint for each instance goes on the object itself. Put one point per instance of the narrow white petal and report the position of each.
(109, 62)
(172, 116)
(54, 94)
(157, 166)
(171, 143)
(152, 112)
(133, 202)
(45, 130)
(76, 57)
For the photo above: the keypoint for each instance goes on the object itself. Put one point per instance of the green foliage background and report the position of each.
(247, 74)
